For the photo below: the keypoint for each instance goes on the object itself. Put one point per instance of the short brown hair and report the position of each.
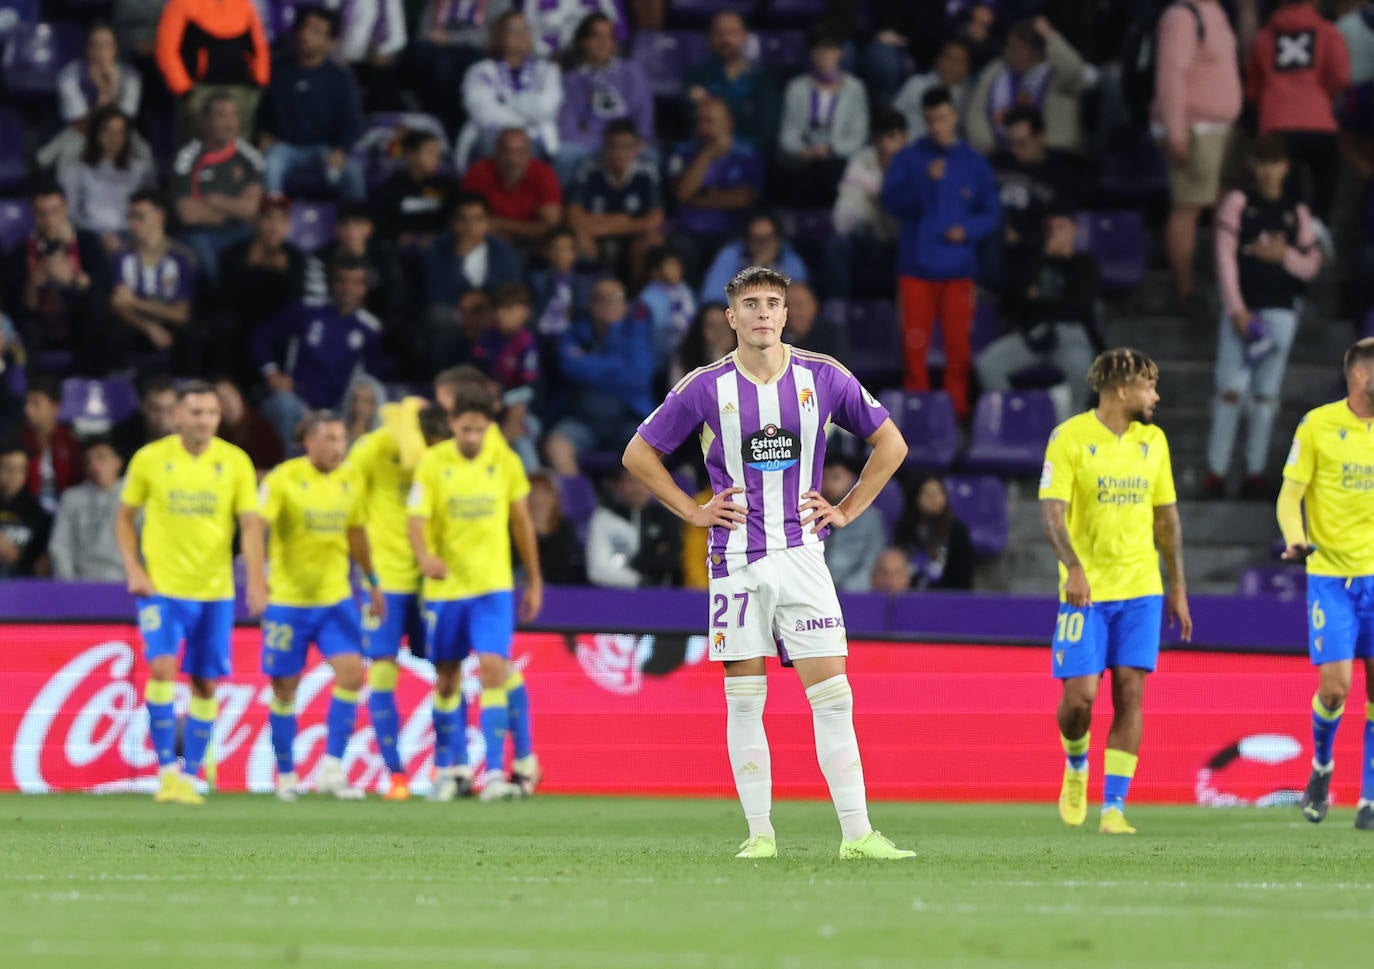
(459, 377)
(1119, 366)
(1267, 149)
(434, 424)
(471, 399)
(1360, 352)
(510, 294)
(313, 419)
(757, 277)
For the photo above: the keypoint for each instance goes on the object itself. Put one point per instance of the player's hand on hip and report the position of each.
(1296, 553)
(1179, 616)
(531, 602)
(1076, 591)
(376, 603)
(720, 510)
(140, 585)
(433, 567)
(817, 513)
(257, 597)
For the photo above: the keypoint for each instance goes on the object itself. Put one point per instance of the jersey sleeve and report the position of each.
(517, 483)
(135, 491)
(1163, 492)
(245, 484)
(420, 503)
(676, 419)
(269, 497)
(1302, 455)
(856, 410)
(1057, 473)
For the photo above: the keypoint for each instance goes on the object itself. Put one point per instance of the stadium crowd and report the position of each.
(325, 206)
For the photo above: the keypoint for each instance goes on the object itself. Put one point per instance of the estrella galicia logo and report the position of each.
(772, 449)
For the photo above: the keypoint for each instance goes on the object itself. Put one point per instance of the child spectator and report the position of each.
(54, 452)
(82, 546)
(561, 294)
(669, 302)
(506, 352)
(24, 524)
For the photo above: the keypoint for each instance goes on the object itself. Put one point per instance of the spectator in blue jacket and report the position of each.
(607, 362)
(311, 352)
(310, 115)
(946, 198)
(466, 257)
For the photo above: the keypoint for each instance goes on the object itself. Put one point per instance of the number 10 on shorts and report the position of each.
(720, 620)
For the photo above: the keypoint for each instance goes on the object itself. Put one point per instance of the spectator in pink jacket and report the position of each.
(1266, 251)
(1297, 67)
(1197, 99)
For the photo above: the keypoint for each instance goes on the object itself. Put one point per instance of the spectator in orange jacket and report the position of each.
(1297, 67)
(205, 46)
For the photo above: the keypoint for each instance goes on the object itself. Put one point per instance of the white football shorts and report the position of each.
(787, 598)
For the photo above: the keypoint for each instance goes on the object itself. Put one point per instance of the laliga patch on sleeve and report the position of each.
(869, 398)
(263, 491)
(417, 495)
(1046, 475)
(1293, 452)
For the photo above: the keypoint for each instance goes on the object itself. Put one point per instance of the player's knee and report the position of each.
(1231, 397)
(1079, 697)
(203, 688)
(284, 690)
(349, 676)
(495, 670)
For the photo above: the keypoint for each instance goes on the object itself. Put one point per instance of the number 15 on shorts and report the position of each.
(723, 609)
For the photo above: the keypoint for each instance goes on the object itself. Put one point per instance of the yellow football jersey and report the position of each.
(1112, 485)
(467, 507)
(190, 508)
(309, 513)
(1333, 454)
(385, 483)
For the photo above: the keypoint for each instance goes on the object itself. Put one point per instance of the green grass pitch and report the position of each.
(97, 882)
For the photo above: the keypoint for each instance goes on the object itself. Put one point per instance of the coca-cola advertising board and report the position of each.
(645, 715)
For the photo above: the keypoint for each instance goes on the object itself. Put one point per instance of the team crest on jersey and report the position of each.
(772, 449)
(1092, 450)
(807, 398)
(1145, 450)
(1341, 433)
(718, 642)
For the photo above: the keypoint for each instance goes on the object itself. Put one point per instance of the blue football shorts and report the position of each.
(205, 626)
(479, 624)
(1106, 635)
(288, 632)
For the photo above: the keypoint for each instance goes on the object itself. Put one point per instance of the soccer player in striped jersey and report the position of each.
(1330, 471)
(1108, 503)
(192, 488)
(762, 413)
(313, 507)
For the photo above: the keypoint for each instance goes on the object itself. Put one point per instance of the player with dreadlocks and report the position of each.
(1108, 503)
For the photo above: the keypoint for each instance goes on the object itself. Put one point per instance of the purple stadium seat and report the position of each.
(16, 12)
(1010, 429)
(1133, 170)
(579, 500)
(1283, 582)
(16, 220)
(981, 504)
(987, 326)
(312, 224)
(1120, 246)
(875, 339)
(784, 50)
(34, 53)
(928, 425)
(93, 406)
(665, 56)
(700, 11)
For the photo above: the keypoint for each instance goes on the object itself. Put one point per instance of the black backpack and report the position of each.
(1138, 60)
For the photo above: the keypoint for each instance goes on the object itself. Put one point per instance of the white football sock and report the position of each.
(837, 749)
(747, 743)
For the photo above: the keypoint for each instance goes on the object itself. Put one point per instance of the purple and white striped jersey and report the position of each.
(768, 439)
